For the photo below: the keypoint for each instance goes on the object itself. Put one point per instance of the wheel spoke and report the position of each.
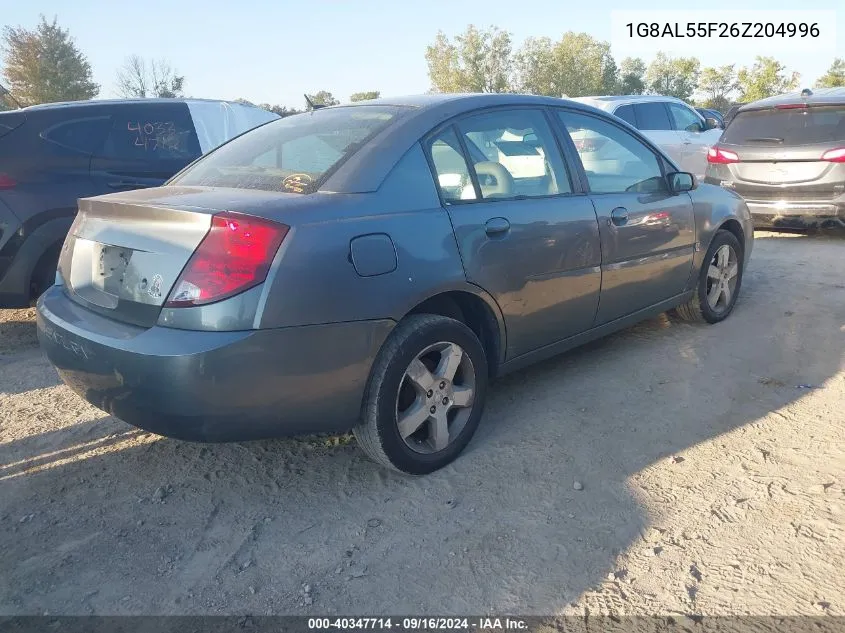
(420, 376)
(412, 419)
(462, 396)
(733, 270)
(439, 432)
(726, 291)
(450, 358)
(713, 272)
(713, 295)
(722, 257)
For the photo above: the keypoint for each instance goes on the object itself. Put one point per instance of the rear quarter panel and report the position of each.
(316, 280)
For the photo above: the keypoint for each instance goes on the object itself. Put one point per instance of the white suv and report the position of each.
(671, 124)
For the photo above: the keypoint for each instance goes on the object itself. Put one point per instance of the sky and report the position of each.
(273, 51)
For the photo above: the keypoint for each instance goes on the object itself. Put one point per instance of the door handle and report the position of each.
(497, 226)
(619, 216)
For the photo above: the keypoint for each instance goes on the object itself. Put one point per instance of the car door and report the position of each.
(653, 121)
(695, 138)
(525, 234)
(647, 232)
(146, 145)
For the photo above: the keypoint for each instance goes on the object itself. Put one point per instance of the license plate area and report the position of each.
(110, 264)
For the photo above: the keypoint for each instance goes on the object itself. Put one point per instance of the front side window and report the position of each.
(514, 154)
(684, 118)
(293, 154)
(652, 116)
(614, 160)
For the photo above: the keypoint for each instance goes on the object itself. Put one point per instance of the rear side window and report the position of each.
(10, 120)
(785, 127)
(152, 133)
(652, 116)
(294, 154)
(84, 135)
(626, 113)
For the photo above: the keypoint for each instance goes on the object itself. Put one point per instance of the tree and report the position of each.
(477, 61)
(672, 76)
(138, 79)
(632, 76)
(577, 65)
(281, 110)
(835, 75)
(364, 96)
(44, 65)
(766, 78)
(717, 85)
(323, 97)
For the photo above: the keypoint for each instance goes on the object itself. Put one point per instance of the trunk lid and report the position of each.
(126, 250)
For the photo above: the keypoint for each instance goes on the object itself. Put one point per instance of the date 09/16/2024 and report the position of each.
(682, 30)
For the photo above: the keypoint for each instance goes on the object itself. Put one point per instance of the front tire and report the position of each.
(425, 395)
(719, 281)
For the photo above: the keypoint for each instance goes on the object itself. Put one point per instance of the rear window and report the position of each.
(787, 126)
(294, 154)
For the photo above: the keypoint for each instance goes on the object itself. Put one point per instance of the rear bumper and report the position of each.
(212, 386)
(795, 215)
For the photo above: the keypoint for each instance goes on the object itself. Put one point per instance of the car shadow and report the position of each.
(119, 521)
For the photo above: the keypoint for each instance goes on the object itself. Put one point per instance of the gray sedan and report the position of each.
(372, 267)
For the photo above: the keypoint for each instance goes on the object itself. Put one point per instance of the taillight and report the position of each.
(791, 106)
(7, 182)
(720, 156)
(235, 255)
(835, 155)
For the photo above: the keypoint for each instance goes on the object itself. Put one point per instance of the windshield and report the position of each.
(787, 126)
(294, 154)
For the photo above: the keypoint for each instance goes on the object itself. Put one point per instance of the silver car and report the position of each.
(372, 267)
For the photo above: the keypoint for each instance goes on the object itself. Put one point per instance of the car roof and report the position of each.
(100, 102)
(366, 169)
(609, 102)
(817, 96)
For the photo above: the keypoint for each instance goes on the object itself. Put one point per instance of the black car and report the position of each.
(51, 155)
(786, 156)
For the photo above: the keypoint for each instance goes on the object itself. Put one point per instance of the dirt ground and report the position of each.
(711, 462)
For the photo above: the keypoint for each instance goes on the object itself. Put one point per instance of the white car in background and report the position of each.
(669, 123)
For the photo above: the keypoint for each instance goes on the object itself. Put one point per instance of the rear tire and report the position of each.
(425, 395)
(719, 282)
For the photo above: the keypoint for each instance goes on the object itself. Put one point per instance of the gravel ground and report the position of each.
(709, 463)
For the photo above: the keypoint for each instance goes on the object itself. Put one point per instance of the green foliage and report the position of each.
(766, 78)
(835, 75)
(44, 65)
(632, 76)
(577, 65)
(717, 85)
(673, 76)
(476, 61)
(323, 97)
(364, 96)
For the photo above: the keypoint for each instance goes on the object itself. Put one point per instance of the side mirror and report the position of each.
(712, 123)
(681, 181)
